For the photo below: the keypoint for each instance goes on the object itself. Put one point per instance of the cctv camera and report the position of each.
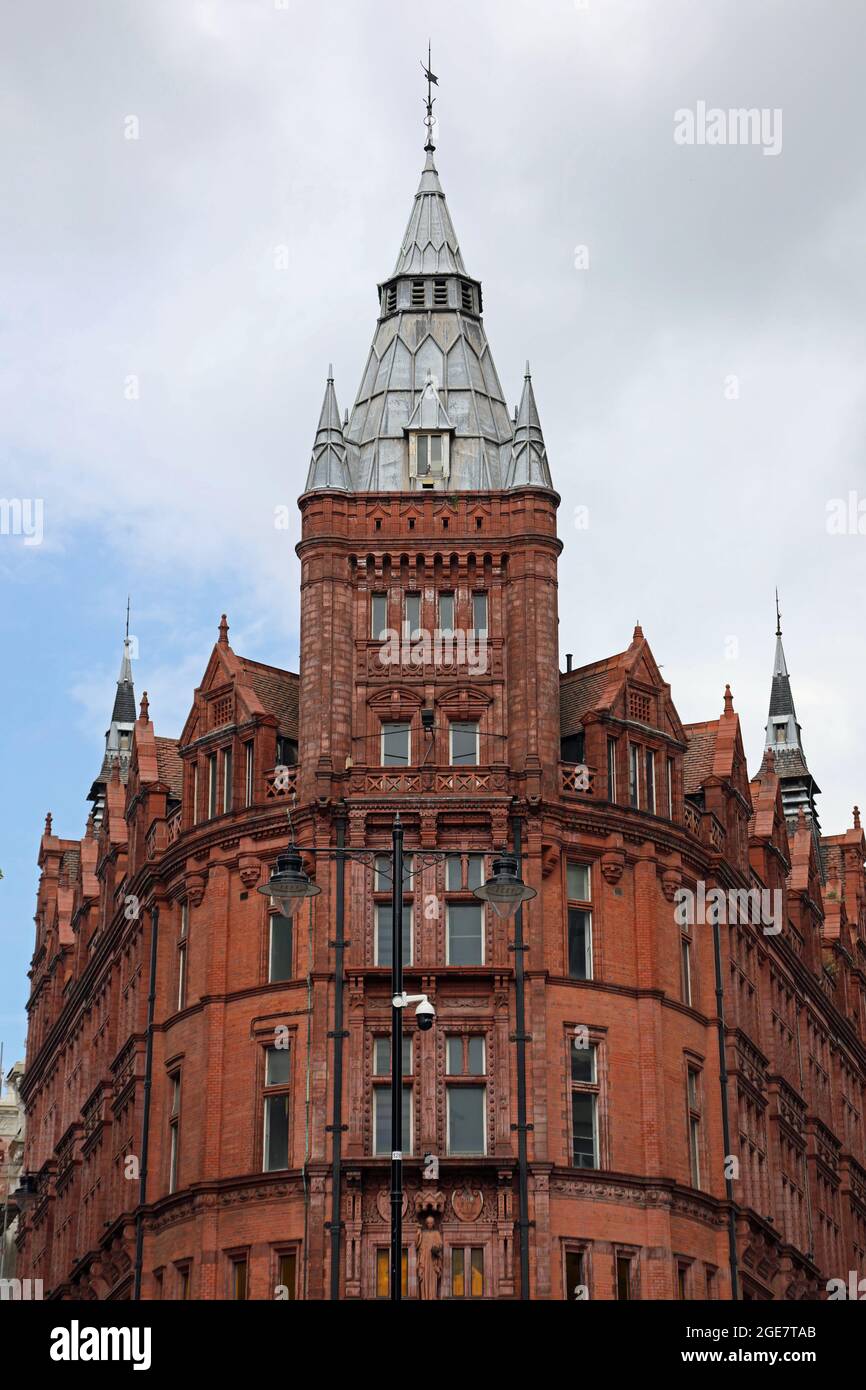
(425, 1014)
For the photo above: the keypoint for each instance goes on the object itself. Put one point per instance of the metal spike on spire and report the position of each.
(778, 616)
(127, 617)
(432, 80)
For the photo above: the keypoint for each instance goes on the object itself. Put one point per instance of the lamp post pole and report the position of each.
(397, 1062)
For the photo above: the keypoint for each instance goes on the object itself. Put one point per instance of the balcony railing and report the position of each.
(577, 779)
(438, 781)
(281, 782)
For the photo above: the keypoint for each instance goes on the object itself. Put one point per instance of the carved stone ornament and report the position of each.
(195, 889)
(612, 865)
(468, 1202)
(250, 869)
(671, 880)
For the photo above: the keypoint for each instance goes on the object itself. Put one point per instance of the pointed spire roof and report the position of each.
(430, 245)
(328, 465)
(118, 736)
(528, 466)
(783, 740)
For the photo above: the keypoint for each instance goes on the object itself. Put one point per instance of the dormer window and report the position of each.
(429, 454)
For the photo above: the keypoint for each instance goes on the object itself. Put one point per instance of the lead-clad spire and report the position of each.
(783, 736)
(118, 736)
(430, 330)
(528, 466)
(328, 466)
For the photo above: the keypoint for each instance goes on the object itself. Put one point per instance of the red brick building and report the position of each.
(577, 1052)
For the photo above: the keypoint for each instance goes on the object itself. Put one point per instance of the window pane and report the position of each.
(383, 934)
(422, 453)
(476, 1056)
(579, 944)
(395, 745)
(382, 1120)
(379, 621)
(276, 1132)
(446, 612)
(464, 745)
(458, 1283)
(239, 1279)
(573, 1273)
(281, 948)
(382, 1057)
(479, 612)
(650, 781)
(466, 1119)
(212, 784)
(611, 769)
(277, 1071)
(454, 873)
(476, 1289)
(435, 450)
(686, 971)
(693, 1089)
(633, 796)
(227, 780)
(412, 617)
(623, 1277)
(476, 870)
(465, 936)
(578, 883)
(583, 1127)
(288, 1271)
(583, 1063)
(454, 1056)
(383, 1273)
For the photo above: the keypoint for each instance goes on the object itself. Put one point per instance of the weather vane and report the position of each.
(429, 119)
(778, 616)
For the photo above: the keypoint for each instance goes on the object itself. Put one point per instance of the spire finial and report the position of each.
(527, 374)
(224, 631)
(429, 119)
(778, 616)
(127, 617)
(331, 372)
(729, 700)
(48, 819)
(144, 712)
(856, 817)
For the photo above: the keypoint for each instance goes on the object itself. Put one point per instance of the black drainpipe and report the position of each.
(145, 1122)
(521, 1039)
(338, 1035)
(726, 1127)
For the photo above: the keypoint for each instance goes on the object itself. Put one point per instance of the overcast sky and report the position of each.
(169, 305)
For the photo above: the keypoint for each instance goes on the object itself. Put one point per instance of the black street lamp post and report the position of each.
(505, 891)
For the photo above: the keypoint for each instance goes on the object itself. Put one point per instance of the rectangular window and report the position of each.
(446, 613)
(467, 1272)
(287, 1274)
(479, 614)
(383, 1273)
(670, 763)
(411, 615)
(579, 921)
(623, 1277)
(650, 766)
(227, 779)
(584, 1106)
(174, 1131)
(574, 1280)
(633, 775)
(382, 1056)
(395, 745)
(276, 1109)
(382, 1120)
(181, 955)
(686, 969)
(682, 1281)
(384, 924)
(379, 616)
(454, 877)
(249, 755)
(572, 748)
(195, 793)
(465, 936)
(464, 745)
(383, 873)
(467, 1119)
(212, 786)
(240, 1277)
(183, 1282)
(280, 953)
(611, 769)
(465, 1055)
(693, 1096)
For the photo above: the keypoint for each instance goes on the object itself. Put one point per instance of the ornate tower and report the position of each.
(118, 736)
(783, 737)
